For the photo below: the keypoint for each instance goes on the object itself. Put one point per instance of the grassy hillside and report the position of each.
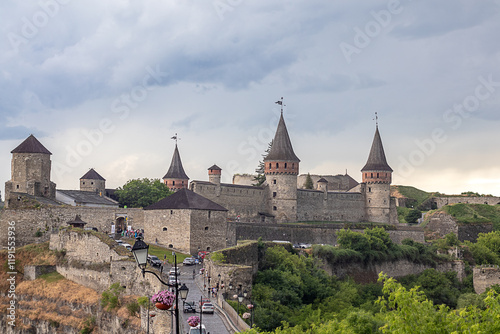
(475, 213)
(415, 196)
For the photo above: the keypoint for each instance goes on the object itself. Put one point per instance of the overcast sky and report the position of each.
(106, 84)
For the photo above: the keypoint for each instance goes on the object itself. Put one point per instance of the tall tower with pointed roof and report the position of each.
(93, 182)
(176, 177)
(281, 170)
(30, 171)
(377, 177)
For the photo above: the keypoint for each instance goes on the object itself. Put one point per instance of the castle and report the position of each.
(280, 199)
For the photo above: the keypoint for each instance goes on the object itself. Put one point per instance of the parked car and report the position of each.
(127, 246)
(208, 308)
(188, 261)
(204, 300)
(173, 270)
(189, 307)
(154, 260)
(196, 330)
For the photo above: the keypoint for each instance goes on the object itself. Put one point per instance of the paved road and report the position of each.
(213, 322)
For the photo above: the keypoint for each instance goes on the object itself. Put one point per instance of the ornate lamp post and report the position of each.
(240, 300)
(140, 251)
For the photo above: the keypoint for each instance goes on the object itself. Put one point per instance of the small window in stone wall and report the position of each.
(91, 183)
(171, 212)
(206, 228)
(170, 246)
(83, 182)
(209, 213)
(275, 208)
(274, 193)
(208, 248)
(17, 186)
(165, 229)
(274, 181)
(123, 268)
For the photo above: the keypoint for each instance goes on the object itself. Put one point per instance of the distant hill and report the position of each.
(474, 213)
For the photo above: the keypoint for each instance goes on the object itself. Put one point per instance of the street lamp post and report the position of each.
(140, 251)
(208, 286)
(240, 299)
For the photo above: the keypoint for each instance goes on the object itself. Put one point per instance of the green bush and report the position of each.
(110, 298)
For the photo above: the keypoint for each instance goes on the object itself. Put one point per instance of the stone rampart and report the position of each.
(33, 272)
(442, 223)
(86, 247)
(35, 225)
(362, 273)
(314, 205)
(442, 201)
(484, 277)
(314, 234)
(243, 201)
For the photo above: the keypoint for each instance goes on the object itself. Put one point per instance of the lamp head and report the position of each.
(140, 251)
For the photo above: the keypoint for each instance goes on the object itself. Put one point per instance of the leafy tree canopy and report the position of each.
(140, 193)
(413, 216)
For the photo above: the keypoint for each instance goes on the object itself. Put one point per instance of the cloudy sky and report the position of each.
(106, 84)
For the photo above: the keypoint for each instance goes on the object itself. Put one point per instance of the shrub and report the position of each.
(110, 298)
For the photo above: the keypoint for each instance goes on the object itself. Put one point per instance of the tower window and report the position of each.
(173, 183)
(206, 228)
(285, 165)
(275, 208)
(83, 182)
(171, 212)
(270, 166)
(274, 194)
(371, 175)
(277, 165)
(164, 229)
(377, 175)
(17, 186)
(91, 183)
(274, 181)
(209, 213)
(293, 166)
(369, 189)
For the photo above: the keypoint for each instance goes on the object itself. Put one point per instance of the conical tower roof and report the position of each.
(282, 149)
(92, 175)
(176, 171)
(31, 145)
(376, 159)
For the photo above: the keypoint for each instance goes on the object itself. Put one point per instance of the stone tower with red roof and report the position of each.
(376, 184)
(30, 171)
(281, 170)
(176, 177)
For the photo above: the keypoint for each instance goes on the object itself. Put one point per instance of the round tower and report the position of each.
(377, 177)
(322, 185)
(281, 170)
(214, 174)
(176, 177)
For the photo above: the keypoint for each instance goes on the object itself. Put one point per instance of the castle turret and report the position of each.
(30, 170)
(214, 174)
(93, 182)
(377, 176)
(322, 185)
(176, 178)
(281, 169)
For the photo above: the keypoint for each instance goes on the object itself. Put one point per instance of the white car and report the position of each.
(196, 330)
(173, 270)
(208, 308)
(127, 246)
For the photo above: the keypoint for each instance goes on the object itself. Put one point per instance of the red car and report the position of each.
(204, 300)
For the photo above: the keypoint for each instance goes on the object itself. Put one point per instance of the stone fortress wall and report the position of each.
(442, 201)
(243, 201)
(315, 205)
(317, 234)
(47, 219)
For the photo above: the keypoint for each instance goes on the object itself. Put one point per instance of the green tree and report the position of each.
(140, 193)
(260, 178)
(309, 182)
(413, 216)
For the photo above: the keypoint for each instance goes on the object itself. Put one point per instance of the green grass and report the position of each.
(475, 213)
(413, 193)
(52, 277)
(161, 251)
